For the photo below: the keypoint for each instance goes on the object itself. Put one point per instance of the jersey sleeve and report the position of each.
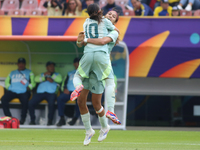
(113, 35)
(169, 10)
(40, 78)
(7, 82)
(109, 24)
(57, 77)
(64, 83)
(32, 83)
(156, 12)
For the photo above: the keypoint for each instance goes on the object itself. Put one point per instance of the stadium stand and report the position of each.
(42, 8)
(185, 13)
(102, 3)
(9, 6)
(129, 13)
(197, 13)
(28, 5)
(14, 12)
(35, 12)
(121, 3)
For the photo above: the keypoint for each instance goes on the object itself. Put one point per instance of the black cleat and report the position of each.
(49, 123)
(32, 123)
(73, 121)
(61, 122)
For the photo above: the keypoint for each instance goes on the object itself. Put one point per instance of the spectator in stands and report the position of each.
(67, 88)
(19, 83)
(130, 6)
(175, 11)
(54, 7)
(46, 90)
(141, 9)
(84, 11)
(171, 3)
(164, 9)
(73, 8)
(110, 5)
(189, 5)
(84, 5)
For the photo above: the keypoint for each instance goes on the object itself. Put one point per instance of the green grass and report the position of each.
(65, 139)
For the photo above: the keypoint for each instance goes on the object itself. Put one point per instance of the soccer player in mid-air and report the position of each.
(111, 39)
(95, 83)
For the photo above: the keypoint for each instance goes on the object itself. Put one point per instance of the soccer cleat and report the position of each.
(110, 115)
(76, 92)
(89, 135)
(103, 133)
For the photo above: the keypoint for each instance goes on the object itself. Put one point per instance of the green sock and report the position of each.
(77, 80)
(86, 121)
(103, 121)
(110, 94)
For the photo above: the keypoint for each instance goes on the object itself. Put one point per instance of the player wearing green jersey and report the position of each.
(97, 86)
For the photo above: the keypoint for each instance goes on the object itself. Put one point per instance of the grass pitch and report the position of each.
(66, 139)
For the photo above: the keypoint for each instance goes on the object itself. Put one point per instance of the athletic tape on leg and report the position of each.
(99, 111)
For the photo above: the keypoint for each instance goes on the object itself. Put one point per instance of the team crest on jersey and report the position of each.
(93, 88)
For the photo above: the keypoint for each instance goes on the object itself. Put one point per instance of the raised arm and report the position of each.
(79, 5)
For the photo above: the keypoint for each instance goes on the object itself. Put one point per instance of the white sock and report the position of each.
(77, 80)
(110, 94)
(86, 121)
(103, 121)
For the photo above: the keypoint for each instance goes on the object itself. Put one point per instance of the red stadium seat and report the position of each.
(28, 5)
(14, 12)
(42, 8)
(185, 13)
(1, 12)
(197, 13)
(129, 13)
(35, 12)
(9, 5)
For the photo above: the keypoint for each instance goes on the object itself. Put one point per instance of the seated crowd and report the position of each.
(20, 83)
(79, 7)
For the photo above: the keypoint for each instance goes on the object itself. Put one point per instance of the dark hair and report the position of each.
(50, 63)
(95, 12)
(68, 9)
(77, 59)
(21, 60)
(117, 11)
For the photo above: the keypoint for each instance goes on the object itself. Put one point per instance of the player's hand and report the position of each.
(117, 30)
(81, 36)
(117, 41)
(66, 91)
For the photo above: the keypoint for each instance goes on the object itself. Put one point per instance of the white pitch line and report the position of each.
(70, 142)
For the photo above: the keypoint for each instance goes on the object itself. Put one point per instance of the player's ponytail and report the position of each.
(95, 12)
